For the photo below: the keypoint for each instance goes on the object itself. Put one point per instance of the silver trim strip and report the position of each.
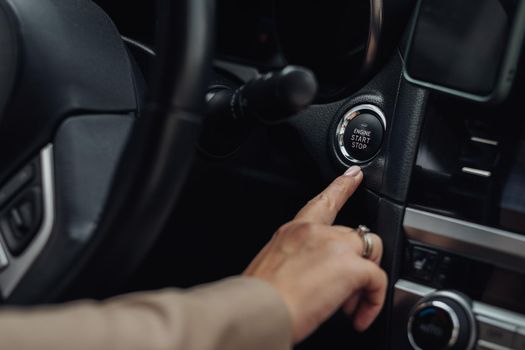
(476, 172)
(4, 260)
(480, 242)
(485, 345)
(138, 45)
(414, 288)
(484, 141)
(18, 266)
(374, 33)
(499, 315)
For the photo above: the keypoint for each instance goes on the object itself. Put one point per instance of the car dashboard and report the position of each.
(444, 173)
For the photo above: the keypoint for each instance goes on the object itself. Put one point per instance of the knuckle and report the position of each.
(302, 229)
(283, 229)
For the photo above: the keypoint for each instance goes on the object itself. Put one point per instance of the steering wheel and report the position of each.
(89, 174)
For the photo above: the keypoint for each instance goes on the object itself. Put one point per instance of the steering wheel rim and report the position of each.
(152, 168)
(170, 128)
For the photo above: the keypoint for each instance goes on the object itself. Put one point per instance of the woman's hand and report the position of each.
(318, 268)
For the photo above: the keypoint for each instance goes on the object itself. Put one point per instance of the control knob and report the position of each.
(442, 320)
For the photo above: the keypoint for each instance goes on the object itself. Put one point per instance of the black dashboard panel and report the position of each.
(246, 32)
(336, 39)
(470, 161)
(331, 37)
(456, 162)
(134, 18)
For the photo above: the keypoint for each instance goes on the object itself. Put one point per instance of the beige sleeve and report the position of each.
(236, 313)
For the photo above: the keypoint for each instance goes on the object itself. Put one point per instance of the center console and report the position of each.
(462, 280)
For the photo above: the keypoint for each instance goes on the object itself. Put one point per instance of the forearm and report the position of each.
(238, 313)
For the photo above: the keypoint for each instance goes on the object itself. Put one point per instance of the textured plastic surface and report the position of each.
(86, 153)
(71, 59)
(403, 106)
(8, 58)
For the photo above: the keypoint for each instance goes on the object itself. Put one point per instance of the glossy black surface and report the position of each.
(460, 44)
(363, 136)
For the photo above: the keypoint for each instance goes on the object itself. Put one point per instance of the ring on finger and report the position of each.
(368, 242)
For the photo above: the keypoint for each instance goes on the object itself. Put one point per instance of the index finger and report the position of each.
(324, 207)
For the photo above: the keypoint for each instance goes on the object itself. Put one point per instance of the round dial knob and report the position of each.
(442, 320)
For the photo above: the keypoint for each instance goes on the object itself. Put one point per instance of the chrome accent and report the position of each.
(485, 345)
(18, 266)
(467, 307)
(413, 288)
(499, 315)
(347, 118)
(484, 141)
(138, 45)
(476, 172)
(441, 305)
(4, 260)
(374, 33)
(488, 244)
(455, 321)
(368, 246)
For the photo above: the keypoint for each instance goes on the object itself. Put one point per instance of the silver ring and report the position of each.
(368, 243)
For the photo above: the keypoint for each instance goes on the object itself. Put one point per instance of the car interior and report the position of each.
(152, 144)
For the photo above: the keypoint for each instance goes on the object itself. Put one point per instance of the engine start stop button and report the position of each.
(360, 133)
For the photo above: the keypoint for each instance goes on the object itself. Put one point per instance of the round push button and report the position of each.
(360, 133)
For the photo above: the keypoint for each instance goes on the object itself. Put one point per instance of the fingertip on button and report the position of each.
(353, 171)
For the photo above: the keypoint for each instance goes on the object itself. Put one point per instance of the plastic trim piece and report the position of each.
(18, 266)
(484, 243)
(414, 288)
